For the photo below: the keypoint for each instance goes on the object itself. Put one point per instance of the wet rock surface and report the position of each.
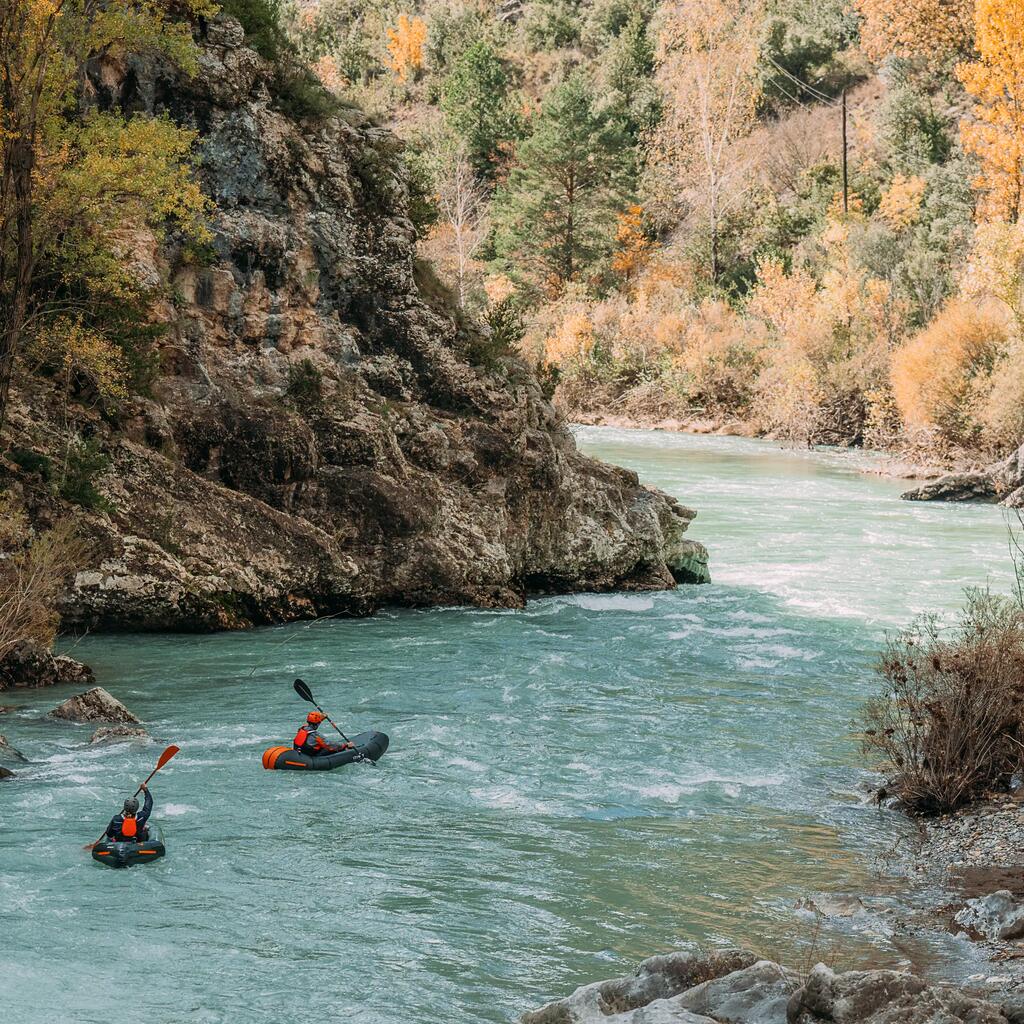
(95, 705)
(28, 665)
(1001, 482)
(324, 435)
(118, 734)
(996, 916)
(738, 988)
(10, 754)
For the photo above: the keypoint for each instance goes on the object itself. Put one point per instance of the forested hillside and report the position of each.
(650, 199)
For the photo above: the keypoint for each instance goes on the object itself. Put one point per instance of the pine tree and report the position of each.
(477, 104)
(556, 216)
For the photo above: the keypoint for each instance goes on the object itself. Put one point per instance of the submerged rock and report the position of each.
(996, 916)
(5, 773)
(118, 734)
(95, 705)
(11, 753)
(29, 665)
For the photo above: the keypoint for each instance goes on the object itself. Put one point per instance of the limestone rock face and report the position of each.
(996, 916)
(324, 435)
(29, 665)
(95, 705)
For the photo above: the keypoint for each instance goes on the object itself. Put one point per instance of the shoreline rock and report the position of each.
(29, 666)
(1002, 482)
(735, 987)
(95, 705)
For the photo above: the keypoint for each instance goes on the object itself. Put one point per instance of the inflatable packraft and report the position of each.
(370, 745)
(122, 855)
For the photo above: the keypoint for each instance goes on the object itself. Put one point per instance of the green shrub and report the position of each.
(305, 390)
(84, 463)
(31, 462)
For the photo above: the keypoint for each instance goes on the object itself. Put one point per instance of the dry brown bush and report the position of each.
(949, 724)
(31, 580)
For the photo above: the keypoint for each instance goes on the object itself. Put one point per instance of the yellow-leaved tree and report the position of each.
(995, 134)
(708, 72)
(930, 31)
(75, 180)
(405, 46)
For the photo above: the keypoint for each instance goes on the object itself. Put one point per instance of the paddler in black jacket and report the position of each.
(130, 825)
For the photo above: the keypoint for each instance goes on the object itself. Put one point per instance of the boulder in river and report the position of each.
(6, 773)
(118, 734)
(95, 705)
(29, 665)
(996, 916)
(10, 753)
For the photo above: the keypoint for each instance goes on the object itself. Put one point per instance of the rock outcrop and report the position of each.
(95, 705)
(1001, 482)
(325, 435)
(29, 665)
(735, 987)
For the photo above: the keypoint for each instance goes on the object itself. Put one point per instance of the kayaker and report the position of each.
(310, 742)
(130, 825)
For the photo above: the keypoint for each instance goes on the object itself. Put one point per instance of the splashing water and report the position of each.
(569, 788)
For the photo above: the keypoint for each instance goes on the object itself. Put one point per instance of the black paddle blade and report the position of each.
(304, 691)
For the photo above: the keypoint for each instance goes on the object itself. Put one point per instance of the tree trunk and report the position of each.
(21, 160)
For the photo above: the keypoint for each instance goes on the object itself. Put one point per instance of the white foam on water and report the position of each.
(176, 810)
(613, 602)
(464, 762)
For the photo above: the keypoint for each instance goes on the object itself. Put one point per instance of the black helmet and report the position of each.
(131, 805)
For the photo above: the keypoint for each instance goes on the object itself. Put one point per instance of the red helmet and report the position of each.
(314, 718)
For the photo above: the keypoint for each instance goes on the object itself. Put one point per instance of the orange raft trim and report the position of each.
(272, 754)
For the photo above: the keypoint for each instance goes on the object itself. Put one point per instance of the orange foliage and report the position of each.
(930, 30)
(996, 81)
(634, 248)
(901, 201)
(936, 375)
(405, 46)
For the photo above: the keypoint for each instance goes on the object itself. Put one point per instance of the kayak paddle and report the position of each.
(162, 760)
(306, 694)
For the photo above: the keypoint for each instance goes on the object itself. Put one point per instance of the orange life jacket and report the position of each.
(300, 738)
(129, 827)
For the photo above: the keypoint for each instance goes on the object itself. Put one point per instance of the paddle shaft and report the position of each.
(307, 694)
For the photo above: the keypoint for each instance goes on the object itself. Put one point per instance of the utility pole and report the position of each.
(846, 179)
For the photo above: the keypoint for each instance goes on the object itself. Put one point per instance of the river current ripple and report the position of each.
(570, 787)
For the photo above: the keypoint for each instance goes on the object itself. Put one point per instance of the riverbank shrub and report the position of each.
(948, 726)
(33, 572)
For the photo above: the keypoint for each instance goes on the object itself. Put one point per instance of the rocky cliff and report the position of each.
(324, 434)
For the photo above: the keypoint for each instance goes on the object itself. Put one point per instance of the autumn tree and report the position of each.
(929, 31)
(708, 69)
(462, 203)
(556, 215)
(405, 46)
(477, 103)
(73, 178)
(634, 246)
(996, 133)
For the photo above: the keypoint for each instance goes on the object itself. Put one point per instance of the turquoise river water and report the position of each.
(570, 787)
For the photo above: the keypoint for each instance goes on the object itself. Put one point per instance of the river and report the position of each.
(570, 787)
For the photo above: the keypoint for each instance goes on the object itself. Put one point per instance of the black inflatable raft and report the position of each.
(369, 744)
(123, 855)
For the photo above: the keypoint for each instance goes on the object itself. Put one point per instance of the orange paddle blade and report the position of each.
(167, 755)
